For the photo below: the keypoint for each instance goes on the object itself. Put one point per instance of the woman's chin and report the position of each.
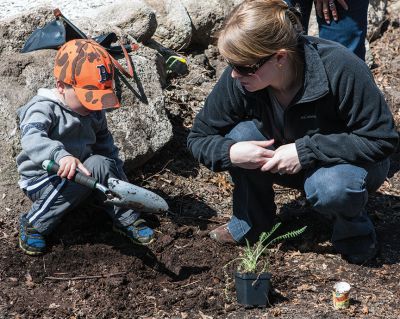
(250, 88)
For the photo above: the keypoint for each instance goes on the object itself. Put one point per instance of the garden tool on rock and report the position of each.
(55, 33)
(118, 193)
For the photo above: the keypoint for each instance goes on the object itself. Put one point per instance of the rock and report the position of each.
(207, 18)
(313, 24)
(133, 18)
(393, 97)
(174, 29)
(394, 9)
(214, 61)
(369, 58)
(392, 94)
(141, 127)
(376, 18)
(20, 77)
(15, 31)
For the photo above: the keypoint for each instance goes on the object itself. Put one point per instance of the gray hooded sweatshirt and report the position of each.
(51, 130)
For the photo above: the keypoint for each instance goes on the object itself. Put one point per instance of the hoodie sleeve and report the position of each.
(370, 134)
(223, 109)
(35, 123)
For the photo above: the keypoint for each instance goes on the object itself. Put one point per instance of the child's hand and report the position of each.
(68, 166)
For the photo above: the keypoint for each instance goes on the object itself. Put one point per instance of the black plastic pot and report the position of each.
(252, 289)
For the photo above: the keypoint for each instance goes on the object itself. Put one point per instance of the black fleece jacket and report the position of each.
(339, 115)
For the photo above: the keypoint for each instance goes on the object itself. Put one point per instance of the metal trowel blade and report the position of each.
(135, 197)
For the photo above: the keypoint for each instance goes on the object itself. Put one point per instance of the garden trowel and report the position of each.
(118, 193)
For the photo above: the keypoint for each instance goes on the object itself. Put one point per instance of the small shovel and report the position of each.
(118, 193)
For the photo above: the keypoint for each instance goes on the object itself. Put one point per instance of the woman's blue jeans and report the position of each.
(351, 28)
(339, 192)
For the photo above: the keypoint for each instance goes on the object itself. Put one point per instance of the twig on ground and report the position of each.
(196, 218)
(44, 265)
(190, 283)
(86, 277)
(151, 176)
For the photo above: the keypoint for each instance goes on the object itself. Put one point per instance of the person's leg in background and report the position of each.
(340, 192)
(351, 28)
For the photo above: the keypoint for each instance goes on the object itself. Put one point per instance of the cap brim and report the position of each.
(97, 100)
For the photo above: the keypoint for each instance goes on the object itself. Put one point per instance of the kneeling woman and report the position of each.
(298, 111)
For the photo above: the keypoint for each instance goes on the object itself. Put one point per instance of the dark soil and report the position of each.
(91, 272)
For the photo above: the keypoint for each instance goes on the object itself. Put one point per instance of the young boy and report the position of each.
(67, 124)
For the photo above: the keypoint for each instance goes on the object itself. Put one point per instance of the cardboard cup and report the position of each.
(340, 295)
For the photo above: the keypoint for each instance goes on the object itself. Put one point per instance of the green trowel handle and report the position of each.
(80, 178)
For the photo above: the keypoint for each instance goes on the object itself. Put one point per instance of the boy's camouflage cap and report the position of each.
(88, 67)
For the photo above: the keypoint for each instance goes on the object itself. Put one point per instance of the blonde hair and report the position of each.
(259, 28)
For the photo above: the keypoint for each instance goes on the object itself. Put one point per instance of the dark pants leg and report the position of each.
(351, 28)
(53, 197)
(305, 7)
(253, 195)
(254, 201)
(253, 204)
(104, 168)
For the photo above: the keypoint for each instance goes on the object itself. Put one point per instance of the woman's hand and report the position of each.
(251, 154)
(325, 8)
(284, 161)
(68, 166)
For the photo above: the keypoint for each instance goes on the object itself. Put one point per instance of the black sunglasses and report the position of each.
(250, 69)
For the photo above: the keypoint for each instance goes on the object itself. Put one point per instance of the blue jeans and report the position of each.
(339, 192)
(351, 28)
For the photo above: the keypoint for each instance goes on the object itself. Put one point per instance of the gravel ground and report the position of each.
(72, 9)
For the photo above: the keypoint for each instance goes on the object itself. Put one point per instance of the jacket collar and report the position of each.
(316, 82)
(52, 95)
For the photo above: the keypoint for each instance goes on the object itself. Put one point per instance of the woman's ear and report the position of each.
(281, 57)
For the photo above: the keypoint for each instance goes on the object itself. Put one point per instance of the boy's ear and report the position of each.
(60, 85)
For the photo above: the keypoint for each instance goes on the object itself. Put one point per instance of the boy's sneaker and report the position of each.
(138, 232)
(30, 240)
